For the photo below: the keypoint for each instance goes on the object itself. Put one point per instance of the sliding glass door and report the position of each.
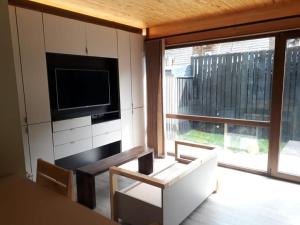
(242, 96)
(289, 154)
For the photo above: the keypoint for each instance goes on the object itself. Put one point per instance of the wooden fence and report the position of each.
(236, 86)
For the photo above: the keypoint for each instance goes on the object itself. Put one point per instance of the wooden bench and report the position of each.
(85, 176)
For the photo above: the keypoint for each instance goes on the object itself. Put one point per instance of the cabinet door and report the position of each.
(124, 70)
(101, 41)
(126, 123)
(15, 44)
(33, 60)
(138, 128)
(26, 150)
(40, 143)
(63, 35)
(137, 69)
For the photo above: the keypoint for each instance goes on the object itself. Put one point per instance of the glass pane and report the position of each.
(246, 147)
(240, 145)
(229, 80)
(289, 158)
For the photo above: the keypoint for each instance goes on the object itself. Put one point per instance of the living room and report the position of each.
(151, 113)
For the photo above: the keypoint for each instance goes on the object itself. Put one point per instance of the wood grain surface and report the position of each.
(24, 202)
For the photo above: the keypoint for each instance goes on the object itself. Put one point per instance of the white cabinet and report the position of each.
(137, 69)
(124, 70)
(106, 133)
(16, 52)
(26, 150)
(72, 148)
(40, 143)
(71, 123)
(72, 136)
(131, 73)
(138, 127)
(33, 60)
(68, 36)
(101, 41)
(69, 136)
(106, 127)
(63, 35)
(105, 139)
(127, 138)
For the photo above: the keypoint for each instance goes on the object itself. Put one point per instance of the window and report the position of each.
(230, 81)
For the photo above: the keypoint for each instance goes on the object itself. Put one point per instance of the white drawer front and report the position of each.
(106, 127)
(71, 123)
(72, 135)
(105, 139)
(73, 148)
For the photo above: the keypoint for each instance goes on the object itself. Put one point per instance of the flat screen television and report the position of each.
(83, 85)
(77, 88)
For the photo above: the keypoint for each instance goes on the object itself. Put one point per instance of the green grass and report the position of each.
(218, 140)
(263, 145)
(203, 137)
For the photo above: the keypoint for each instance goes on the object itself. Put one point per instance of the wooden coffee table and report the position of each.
(85, 176)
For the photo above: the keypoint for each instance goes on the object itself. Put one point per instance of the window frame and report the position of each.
(274, 124)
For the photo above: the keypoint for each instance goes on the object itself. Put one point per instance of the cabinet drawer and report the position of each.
(71, 123)
(106, 127)
(105, 139)
(76, 134)
(73, 148)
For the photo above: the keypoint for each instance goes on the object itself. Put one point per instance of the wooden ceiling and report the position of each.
(157, 13)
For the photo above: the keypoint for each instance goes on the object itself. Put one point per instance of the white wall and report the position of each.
(11, 153)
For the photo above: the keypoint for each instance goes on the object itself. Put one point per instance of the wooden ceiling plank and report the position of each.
(268, 27)
(169, 17)
(145, 13)
(243, 17)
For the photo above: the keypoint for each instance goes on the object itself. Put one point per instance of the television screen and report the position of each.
(77, 88)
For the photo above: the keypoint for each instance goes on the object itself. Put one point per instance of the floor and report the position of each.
(247, 199)
(243, 199)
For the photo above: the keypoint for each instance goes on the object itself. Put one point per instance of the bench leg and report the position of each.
(86, 190)
(113, 183)
(146, 164)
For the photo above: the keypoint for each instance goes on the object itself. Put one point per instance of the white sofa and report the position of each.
(168, 196)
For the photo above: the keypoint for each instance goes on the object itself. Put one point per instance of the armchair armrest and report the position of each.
(116, 171)
(137, 176)
(191, 144)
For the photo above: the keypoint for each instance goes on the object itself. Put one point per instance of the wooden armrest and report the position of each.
(137, 176)
(113, 171)
(191, 144)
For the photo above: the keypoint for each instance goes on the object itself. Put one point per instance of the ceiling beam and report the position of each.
(276, 11)
(72, 15)
(256, 29)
